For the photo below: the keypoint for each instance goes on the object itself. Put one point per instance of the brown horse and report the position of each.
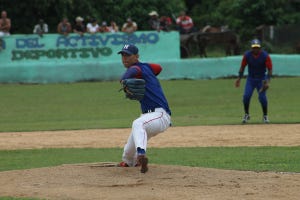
(212, 29)
(185, 46)
(212, 35)
(228, 39)
(191, 43)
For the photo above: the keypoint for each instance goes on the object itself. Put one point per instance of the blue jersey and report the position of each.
(257, 64)
(154, 96)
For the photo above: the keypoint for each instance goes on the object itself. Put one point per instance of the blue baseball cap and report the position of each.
(129, 49)
(255, 43)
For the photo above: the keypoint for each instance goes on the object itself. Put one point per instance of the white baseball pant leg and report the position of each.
(143, 128)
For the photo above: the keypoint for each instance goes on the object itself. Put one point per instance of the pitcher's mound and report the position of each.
(106, 181)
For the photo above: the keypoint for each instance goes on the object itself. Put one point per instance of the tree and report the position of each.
(244, 16)
(28, 12)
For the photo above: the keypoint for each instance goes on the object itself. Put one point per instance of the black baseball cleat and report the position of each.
(266, 119)
(246, 118)
(143, 162)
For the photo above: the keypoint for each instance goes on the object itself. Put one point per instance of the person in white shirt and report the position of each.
(92, 27)
(130, 26)
(40, 28)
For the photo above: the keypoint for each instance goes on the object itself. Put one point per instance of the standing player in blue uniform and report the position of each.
(258, 62)
(156, 114)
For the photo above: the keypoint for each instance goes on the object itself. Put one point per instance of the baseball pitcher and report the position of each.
(140, 83)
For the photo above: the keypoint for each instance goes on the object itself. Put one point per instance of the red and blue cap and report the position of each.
(129, 49)
(255, 43)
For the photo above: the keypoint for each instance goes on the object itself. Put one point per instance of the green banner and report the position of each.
(90, 47)
(55, 59)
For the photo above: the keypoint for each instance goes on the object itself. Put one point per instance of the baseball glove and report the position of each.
(264, 87)
(134, 88)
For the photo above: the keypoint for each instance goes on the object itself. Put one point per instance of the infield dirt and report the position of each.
(103, 181)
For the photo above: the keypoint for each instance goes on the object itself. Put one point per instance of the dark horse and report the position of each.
(200, 41)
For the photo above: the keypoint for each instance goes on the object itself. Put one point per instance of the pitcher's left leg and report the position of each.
(145, 127)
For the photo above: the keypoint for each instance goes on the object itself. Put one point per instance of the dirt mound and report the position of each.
(93, 181)
(105, 181)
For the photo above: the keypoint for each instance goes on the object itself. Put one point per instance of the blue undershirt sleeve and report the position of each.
(130, 73)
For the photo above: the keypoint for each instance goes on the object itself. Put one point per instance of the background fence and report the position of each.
(285, 37)
(56, 59)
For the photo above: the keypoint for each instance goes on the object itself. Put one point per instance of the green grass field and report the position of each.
(100, 105)
(283, 159)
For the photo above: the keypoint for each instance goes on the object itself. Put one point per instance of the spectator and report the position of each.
(104, 28)
(64, 27)
(40, 28)
(129, 26)
(113, 28)
(93, 26)
(79, 27)
(154, 21)
(5, 24)
(184, 23)
(165, 23)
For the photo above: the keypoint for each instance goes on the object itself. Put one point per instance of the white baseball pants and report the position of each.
(143, 128)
